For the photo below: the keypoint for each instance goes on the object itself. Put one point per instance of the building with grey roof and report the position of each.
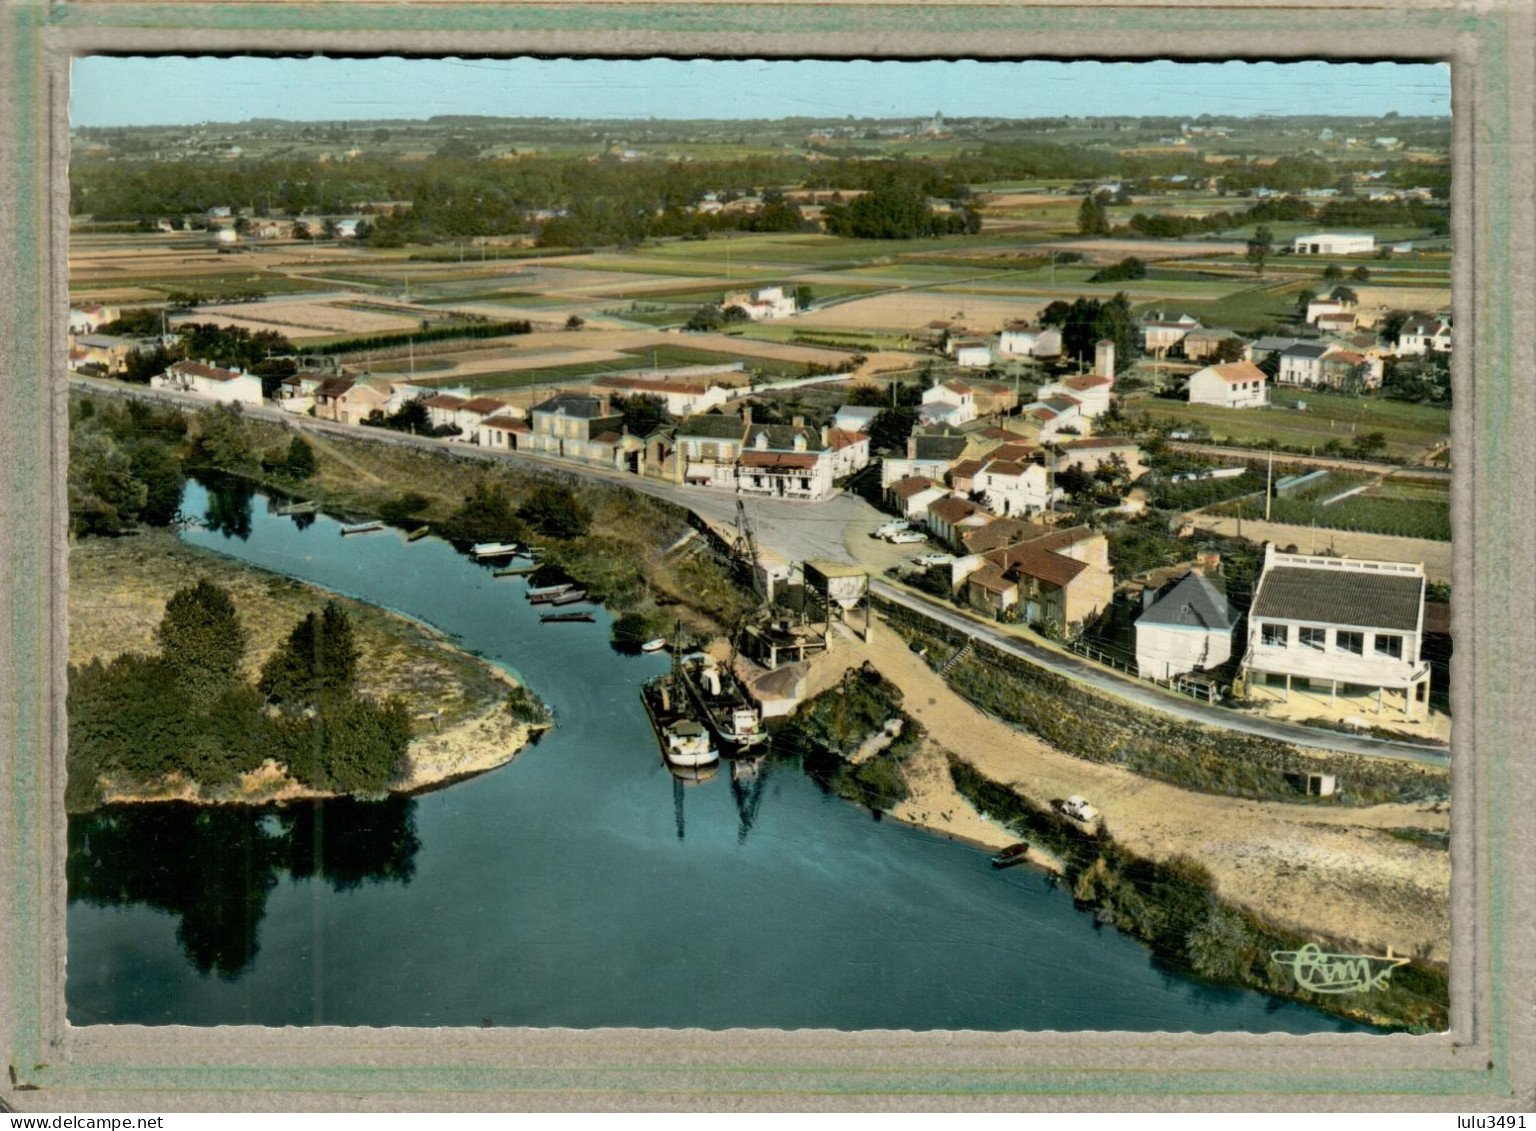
(1187, 627)
(1338, 625)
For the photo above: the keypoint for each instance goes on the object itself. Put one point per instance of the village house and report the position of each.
(472, 415)
(1203, 343)
(567, 424)
(1058, 578)
(786, 462)
(1092, 452)
(1337, 322)
(1257, 350)
(443, 409)
(107, 352)
(1420, 335)
(1159, 334)
(946, 518)
(681, 394)
(911, 497)
(1340, 625)
(351, 400)
(1318, 307)
(1186, 628)
(952, 402)
(1090, 391)
(971, 353)
(227, 386)
(708, 448)
(962, 476)
(1055, 416)
(850, 451)
(1302, 364)
(1238, 384)
(1334, 243)
(928, 454)
(1026, 339)
(1015, 487)
(505, 432)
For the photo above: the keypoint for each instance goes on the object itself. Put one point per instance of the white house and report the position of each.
(1318, 307)
(1338, 625)
(972, 353)
(682, 397)
(1090, 390)
(1420, 335)
(1024, 339)
(228, 386)
(1335, 243)
(953, 402)
(1302, 364)
(1187, 628)
(1014, 487)
(912, 496)
(850, 450)
(1054, 416)
(786, 461)
(1238, 384)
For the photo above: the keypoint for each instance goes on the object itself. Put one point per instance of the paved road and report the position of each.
(797, 531)
(1149, 696)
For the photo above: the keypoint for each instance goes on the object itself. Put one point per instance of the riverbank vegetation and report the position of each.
(614, 541)
(1101, 728)
(178, 691)
(1172, 906)
(837, 733)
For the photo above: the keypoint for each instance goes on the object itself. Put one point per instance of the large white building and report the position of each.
(1340, 625)
(1335, 243)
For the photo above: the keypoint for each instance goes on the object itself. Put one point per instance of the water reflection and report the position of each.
(229, 505)
(214, 866)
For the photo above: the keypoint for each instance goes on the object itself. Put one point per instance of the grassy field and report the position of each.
(1411, 430)
(1245, 310)
(1368, 513)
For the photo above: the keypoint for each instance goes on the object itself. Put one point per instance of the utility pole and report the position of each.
(1269, 478)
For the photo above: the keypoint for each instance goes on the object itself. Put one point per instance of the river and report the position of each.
(579, 886)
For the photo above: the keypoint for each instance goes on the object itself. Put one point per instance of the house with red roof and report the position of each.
(1089, 390)
(1060, 578)
(227, 386)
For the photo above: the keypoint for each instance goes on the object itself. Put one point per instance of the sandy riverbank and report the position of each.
(1372, 875)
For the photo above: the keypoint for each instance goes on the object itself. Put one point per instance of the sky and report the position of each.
(176, 90)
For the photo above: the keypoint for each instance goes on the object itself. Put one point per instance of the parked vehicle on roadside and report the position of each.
(889, 528)
(907, 537)
(1079, 810)
(927, 561)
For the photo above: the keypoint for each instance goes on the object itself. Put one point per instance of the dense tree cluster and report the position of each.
(122, 469)
(1087, 321)
(189, 709)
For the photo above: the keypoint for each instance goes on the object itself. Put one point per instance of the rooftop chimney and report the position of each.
(797, 421)
(746, 414)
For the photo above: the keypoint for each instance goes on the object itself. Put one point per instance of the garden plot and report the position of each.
(913, 310)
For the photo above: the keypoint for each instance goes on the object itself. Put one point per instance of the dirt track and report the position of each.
(1319, 869)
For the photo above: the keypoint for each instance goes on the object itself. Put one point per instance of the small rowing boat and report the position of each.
(298, 508)
(571, 598)
(361, 528)
(654, 645)
(1013, 854)
(547, 593)
(493, 549)
(418, 534)
(562, 618)
(515, 570)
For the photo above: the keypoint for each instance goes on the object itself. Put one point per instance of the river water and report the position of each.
(579, 886)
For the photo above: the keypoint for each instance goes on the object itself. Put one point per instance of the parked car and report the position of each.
(889, 528)
(929, 560)
(906, 537)
(1079, 810)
